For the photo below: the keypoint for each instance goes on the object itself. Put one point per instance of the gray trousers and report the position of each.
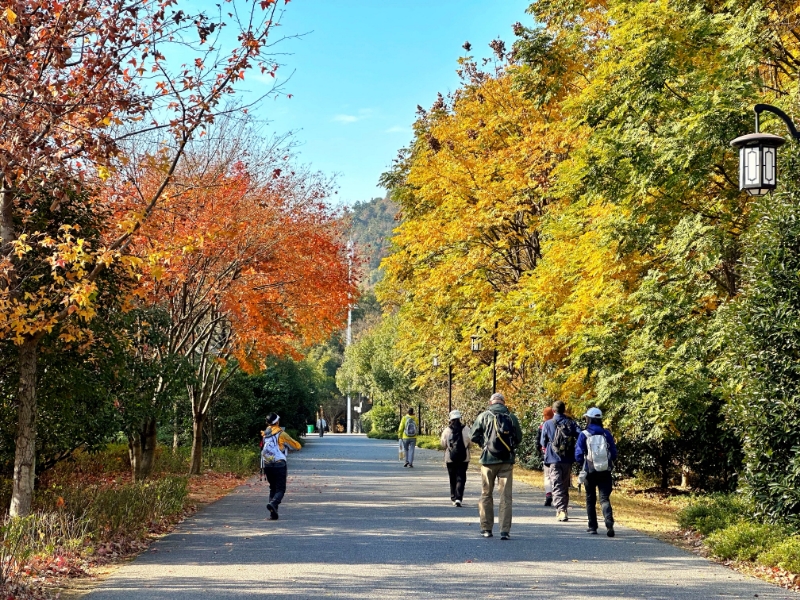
(408, 447)
(560, 474)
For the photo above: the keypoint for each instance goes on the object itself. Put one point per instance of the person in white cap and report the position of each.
(597, 451)
(456, 441)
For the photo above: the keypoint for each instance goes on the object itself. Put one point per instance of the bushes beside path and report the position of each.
(88, 512)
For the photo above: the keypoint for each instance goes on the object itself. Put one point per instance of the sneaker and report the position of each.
(410, 466)
(562, 516)
(548, 501)
(592, 531)
(610, 532)
(504, 535)
(405, 465)
(273, 512)
(486, 533)
(457, 503)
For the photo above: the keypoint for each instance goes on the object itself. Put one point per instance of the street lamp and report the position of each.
(758, 154)
(475, 343)
(449, 382)
(477, 346)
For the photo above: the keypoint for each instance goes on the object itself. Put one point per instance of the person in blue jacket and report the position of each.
(597, 451)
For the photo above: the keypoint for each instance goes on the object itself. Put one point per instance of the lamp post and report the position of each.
(449, 382)
(758, 154)
(477, 346)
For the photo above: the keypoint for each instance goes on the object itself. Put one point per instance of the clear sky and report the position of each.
(362, 69)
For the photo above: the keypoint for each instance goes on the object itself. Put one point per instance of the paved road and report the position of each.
(355, 524)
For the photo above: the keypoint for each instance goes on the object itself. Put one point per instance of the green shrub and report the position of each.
(125, 509)
(785, 555)
(431, 442)
(366, 423)
(381, 435)
(385, 419)
(708, 514)
(744, 540)
(241, 461)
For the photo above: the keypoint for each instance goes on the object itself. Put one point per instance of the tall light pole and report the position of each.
(349, 336)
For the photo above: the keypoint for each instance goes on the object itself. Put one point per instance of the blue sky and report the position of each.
(364, 65)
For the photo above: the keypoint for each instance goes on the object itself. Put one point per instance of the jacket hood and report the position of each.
(498, 408)
(273, 429)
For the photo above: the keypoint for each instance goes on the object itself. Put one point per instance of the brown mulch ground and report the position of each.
(69, 576)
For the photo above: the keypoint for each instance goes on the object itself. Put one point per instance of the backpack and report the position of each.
(500, 438)
(272, 451)
(410, 428)
(597, 451)
(456, 447)
(564, 439)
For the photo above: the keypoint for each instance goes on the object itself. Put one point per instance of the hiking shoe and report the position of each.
(548, 501)
(562, 516)
(610, 532)
(504, 535)
(273, 512)
(457, 503)
(592, 531)
(486, 533)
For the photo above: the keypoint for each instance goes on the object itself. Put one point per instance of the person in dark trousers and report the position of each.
(456, 455)
(273, 454)
(559, 456)
(322, 424)
(548, 487)
(597, 451)
(496, 469)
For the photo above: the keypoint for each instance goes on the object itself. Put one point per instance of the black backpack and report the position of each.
(456, 447)
(500, 438)
(564, 439)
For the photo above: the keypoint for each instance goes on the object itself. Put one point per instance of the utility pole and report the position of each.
(349, 336)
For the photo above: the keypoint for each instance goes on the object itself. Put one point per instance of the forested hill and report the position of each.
(371, 227)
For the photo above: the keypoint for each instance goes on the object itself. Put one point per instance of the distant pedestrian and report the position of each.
(274, 455)
(322, 424)
(548, 487)
(456, 441)
(559, 436)
(409, 427)
(597, 451)
(497, 431)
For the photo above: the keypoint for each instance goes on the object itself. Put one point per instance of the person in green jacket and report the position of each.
(497, 431)
(407, 432)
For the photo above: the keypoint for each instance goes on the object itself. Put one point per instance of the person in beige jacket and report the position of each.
(456, 441)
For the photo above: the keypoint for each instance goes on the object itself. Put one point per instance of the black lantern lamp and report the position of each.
(758, 154)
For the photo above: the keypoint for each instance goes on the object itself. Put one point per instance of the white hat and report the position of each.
(594, 413)
(456, 414)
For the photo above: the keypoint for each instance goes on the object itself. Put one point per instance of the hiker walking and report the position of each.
(559, 435)
(321, 425)
(548, 487)
(273, 453)
(456, 440)
(597, 451)
(497, 431)
(409, 426)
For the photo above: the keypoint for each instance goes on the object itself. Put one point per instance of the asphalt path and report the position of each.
(356, 524)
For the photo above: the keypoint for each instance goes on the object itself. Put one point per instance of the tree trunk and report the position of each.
(25, 455)
(142, 449)
(198, 420)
